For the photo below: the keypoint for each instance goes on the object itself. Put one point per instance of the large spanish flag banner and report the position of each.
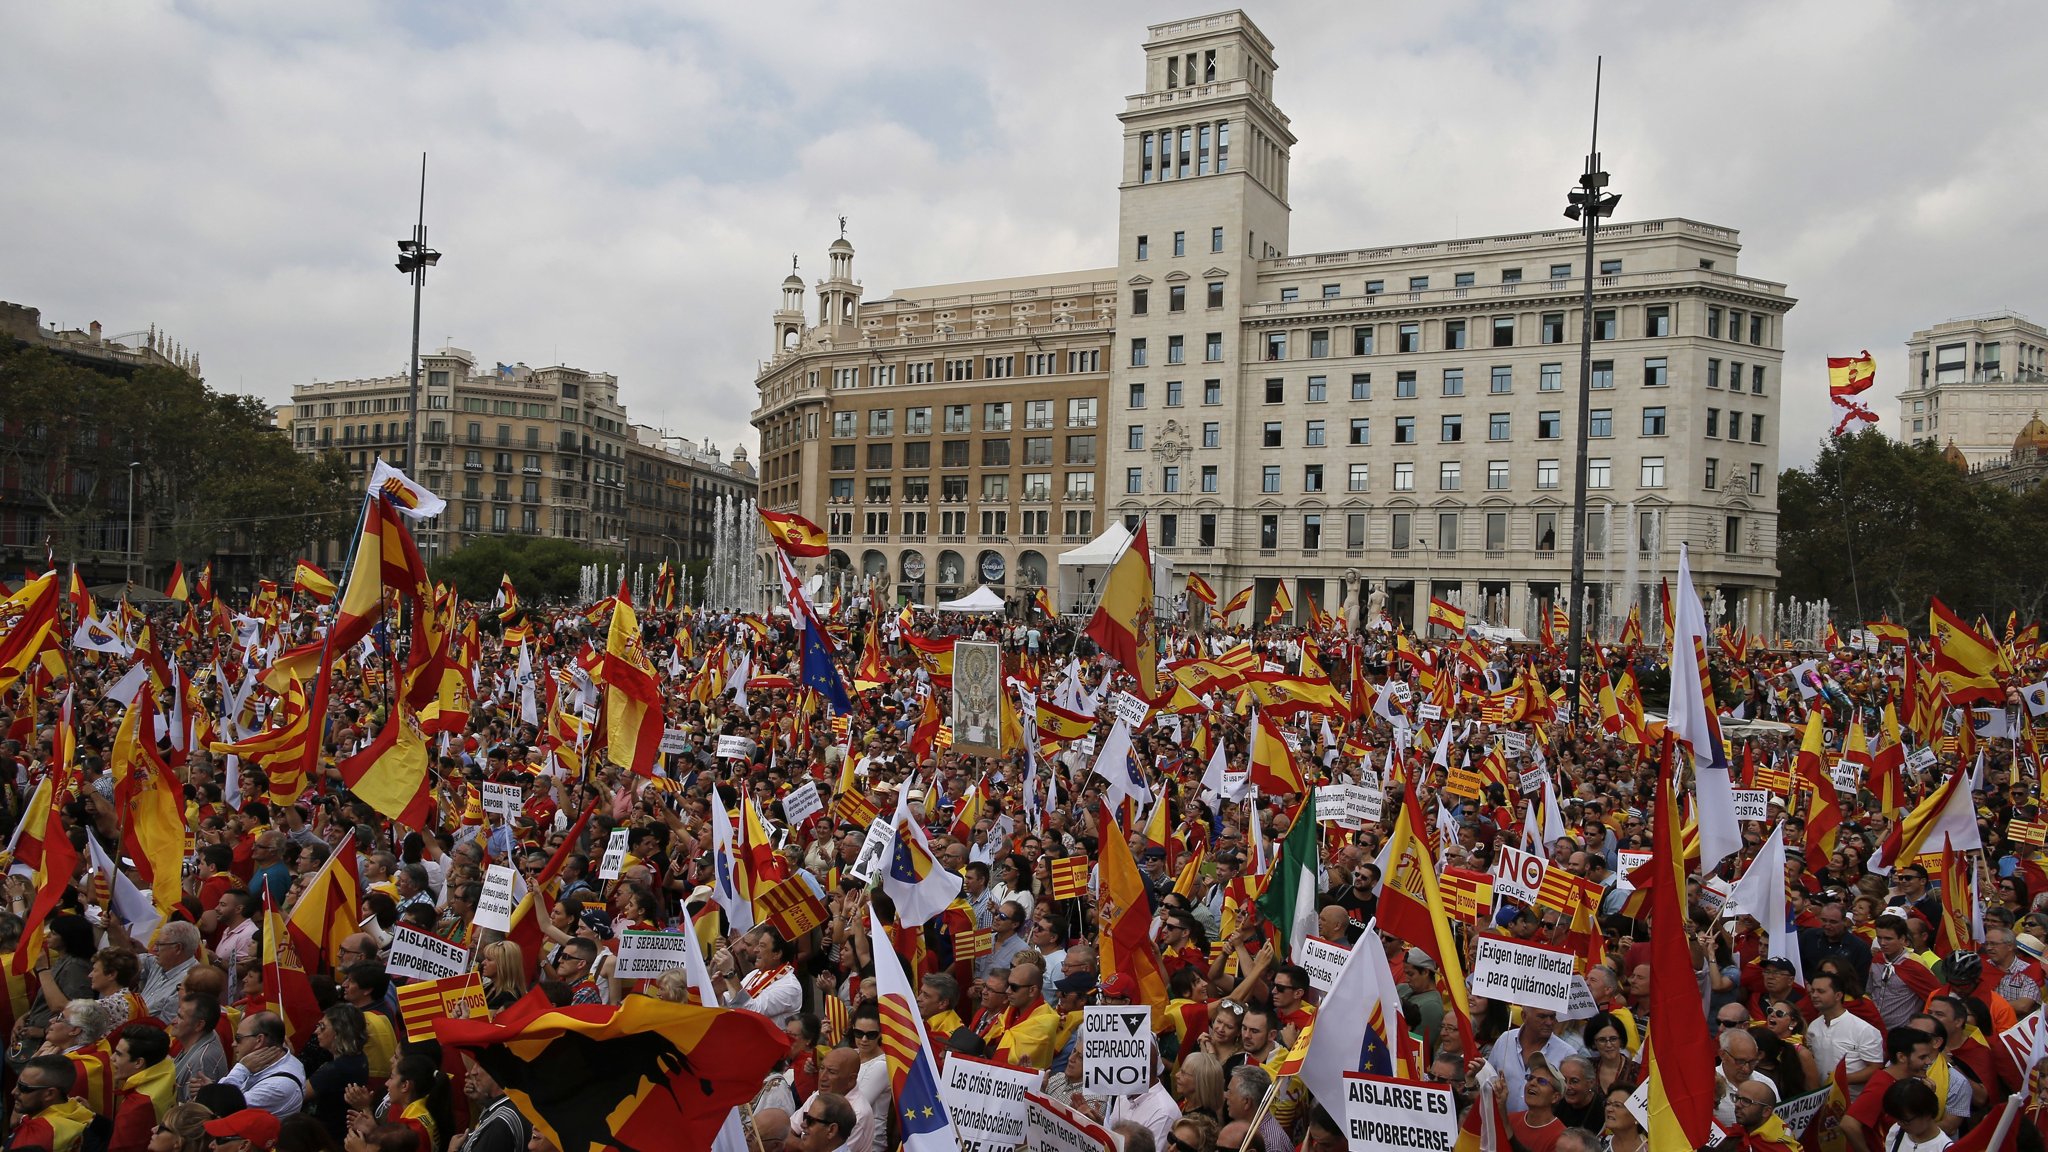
(390, 772)
(1412, 907)
(1965, 662)
(644, 1074)
(794, 534)
(1446, 615)
(632, 695)
(310, 579)
(1678, 1057)
(1126, 940)
(1123, 622)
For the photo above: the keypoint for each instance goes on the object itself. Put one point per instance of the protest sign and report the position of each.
(1532, 780)
(1468, 895)
(674, 741)
(986, 1101)
(1921, 759)
(1846, 779)
(1516, 744)
(1367, 802)
(1464, 783)
(418, 955)
(614, 861)
(735, 748)
(1714, 893)
(1368, 778)
(1525, 974)
(1799, 1111)
(801, 804)
(1116, 1049)
(1322, 960)
(1429, 710)
(1050, 1126)
(502, 800)
(1382, 1112)
(793, 908)
(494, 907)
(1752, 804)
(646, 955)
(1583, 1006)
(871, 849)
(1069, 877)
(423, 1004)
(1129, 709)
(1518, 875)
(1628, 860)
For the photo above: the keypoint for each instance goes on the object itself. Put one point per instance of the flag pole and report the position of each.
(1848, 535)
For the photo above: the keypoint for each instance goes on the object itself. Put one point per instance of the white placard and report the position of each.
(1516, 743)
(1234, 782)
(986, 1102)
(1532, 780)
(1714, 893)
(1322, 960)
(1369, 802)
(1429, 710)
(802, 803)
(1847, 779)
(494, 907)
(1116, 1049)
(1129, 709)
(1523, 974)
(674, 741)
(503, 800)
(418, 955)
(735, 748)
(614, 860)
(646, 955)
(1921, 759)
(1798, 1112)
(1518, 874)
(1752, 804)
(1368, 778)
(1381, 1112)
(1584, 1007)
(1628, 860)
(1333, 804)
(871, 849)
(1050, 1126)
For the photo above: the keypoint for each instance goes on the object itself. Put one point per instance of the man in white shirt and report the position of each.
(838, 1073)
(772, 988)
(1839, 1036)
(822, 1125)
(1153, 1109)
(1510, 1055)
(1738, 1063)
(270, 1077)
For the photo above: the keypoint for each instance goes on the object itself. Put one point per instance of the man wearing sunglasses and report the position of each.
(50, 1118)
(1027, 1032)
(827, 1126)
(838, 1075)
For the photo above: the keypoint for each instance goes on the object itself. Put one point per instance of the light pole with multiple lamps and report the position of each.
(130, 566)
(414, 258)
(1589, 203)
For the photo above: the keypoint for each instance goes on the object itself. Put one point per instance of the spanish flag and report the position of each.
(385, 558)
(179, 589)
(644, 1074)
(1273, 770)
(1887, 764)
(1412, 908)
(1125, 944)
(632, 695)
(308, 578)
(33, 614)
(1447, 616)
(1123, 623)
(1848, 375)
(794, 534)
(1198, 589)
(1887, 632)
(1238, 603)
(152, 800)
(1810, 769)
(1678, 1057)
(1282, 606)
(390, 772)
(1043, 602)
(1056, 723)
(329, 910)
(1965, 662)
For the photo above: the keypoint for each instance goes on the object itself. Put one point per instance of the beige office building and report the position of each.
(1396, 414)
(1974, 382)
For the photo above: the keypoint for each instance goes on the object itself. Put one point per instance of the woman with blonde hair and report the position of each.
(503, 966)
(1198, 1086)
(182, 1129)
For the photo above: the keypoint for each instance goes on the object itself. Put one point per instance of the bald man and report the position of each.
(771, 1128)
(839, 1075)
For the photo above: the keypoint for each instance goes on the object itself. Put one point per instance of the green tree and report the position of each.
(541, 568)
(1915, 527)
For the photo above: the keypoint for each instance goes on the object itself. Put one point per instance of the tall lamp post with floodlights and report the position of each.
(130, 566)
(414, 258)
(1589, 203)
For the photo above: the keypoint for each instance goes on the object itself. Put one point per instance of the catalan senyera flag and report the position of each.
(1848, 375)
(1123, 623)
(1810, 769)
(1965, 662)
(329, 911)
(1282, 606)
(390, 772)
(424, 1005)
(794, 534)
(632, 694)
(644, 1074)
(1447, 616)
(1198, 589)
(1679, 1054)
(1273, 770)
(309, 579)
(1125, 944)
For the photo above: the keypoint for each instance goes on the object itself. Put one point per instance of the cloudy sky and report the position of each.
(619, 185)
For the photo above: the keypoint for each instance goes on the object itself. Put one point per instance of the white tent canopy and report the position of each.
(1083, 569)
(979, 600)
(1101, 551)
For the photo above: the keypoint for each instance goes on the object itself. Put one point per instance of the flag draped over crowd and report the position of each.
(849, 873)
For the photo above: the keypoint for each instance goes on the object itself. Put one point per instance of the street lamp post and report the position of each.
(1589, 203)
(414, 258)
(129, 567)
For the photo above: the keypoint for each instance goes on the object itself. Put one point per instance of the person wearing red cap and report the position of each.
(250, 1130)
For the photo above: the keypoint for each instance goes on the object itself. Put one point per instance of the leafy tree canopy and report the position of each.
(540, 567)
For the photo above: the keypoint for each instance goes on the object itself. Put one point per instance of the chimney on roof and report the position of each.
(96, 333)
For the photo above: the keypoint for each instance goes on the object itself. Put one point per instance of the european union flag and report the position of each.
(819, 674)
(909, 863)
(1373, 1054)
(919, 1111)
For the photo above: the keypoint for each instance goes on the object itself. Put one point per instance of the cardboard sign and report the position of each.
(674, 741)
(646, 955)
(793, 909)
(1464, 783)
(1322, 960)
(1524, 974)
(1532, 781)
(418, 955)
(986, 1101)
(1116, 1049)
(1798, 1112)
(1129, 709)
(1752, 804)
(494, 907)
(1518, 875)
(871, 850)
(735, 748)
(801, 804)
(1050, 1126)
(502, 800)
(614, 861)
(1381, 1112)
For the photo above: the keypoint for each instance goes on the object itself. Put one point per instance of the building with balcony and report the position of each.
(944, 436)
(1398, 414)
(514, 450)
(1972, 382)
(672, 490)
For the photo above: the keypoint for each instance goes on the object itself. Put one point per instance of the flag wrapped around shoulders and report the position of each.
(794, 534)
(640, 1076)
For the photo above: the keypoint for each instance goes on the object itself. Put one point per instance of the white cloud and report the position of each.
(619, 186)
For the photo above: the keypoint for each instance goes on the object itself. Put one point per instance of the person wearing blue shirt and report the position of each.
(270, 874)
